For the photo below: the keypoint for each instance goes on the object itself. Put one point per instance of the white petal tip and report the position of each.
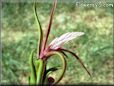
(82, 33)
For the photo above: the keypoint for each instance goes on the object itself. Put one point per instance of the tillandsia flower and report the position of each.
(39, 72)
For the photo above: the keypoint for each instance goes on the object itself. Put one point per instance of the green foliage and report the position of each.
(95, 48)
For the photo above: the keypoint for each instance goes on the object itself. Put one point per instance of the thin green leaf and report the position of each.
(39, 29)
(32, 67)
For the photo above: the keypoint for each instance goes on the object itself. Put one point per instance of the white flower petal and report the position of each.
(53, 42)
(57, 42)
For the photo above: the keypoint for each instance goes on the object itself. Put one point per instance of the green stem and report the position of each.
(40, 71)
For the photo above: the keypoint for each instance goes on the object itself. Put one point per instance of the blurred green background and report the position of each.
(95, 48)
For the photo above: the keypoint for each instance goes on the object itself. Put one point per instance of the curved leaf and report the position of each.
(63, 66)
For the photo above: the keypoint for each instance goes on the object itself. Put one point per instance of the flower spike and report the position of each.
(39, 73)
